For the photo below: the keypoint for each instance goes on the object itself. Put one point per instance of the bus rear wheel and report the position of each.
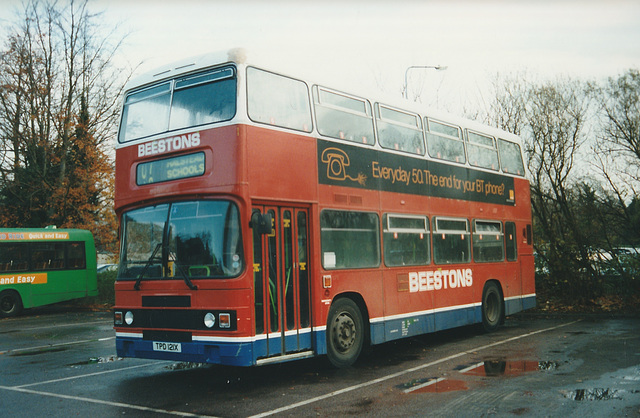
(345, 333)
(10, 303)
(492, 307)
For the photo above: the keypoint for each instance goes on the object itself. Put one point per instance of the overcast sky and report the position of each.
(371, 43)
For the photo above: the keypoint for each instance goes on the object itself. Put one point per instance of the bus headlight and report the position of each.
(128, 318)
(209, 320)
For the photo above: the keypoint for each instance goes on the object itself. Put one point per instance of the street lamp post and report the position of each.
(405, 93)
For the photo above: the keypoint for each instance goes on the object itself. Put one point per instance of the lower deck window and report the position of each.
(406, 240)
(42, 256)
(451, 243)
(488, 241)
(349, 239)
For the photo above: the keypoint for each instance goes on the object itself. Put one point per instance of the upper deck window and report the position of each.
(343, 117)
(399, 130)
(482, 151)
(510, 157)
(444, 141)
(192, 100)
(278, 101)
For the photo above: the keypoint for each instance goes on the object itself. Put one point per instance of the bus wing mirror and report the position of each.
(262, 223)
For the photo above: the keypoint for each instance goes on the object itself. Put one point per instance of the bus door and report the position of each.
(281, 281)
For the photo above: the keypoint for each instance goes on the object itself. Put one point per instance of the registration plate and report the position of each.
(168, 347)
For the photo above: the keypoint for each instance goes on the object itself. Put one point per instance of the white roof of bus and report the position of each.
(173, 69)
(240, 56)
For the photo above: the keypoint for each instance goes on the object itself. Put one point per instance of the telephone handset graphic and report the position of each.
(336, 160)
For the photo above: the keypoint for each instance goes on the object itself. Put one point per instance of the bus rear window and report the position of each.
(188, 101)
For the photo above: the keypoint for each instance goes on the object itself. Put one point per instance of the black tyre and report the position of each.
(10, 303)
(492, 307)
(345, 333)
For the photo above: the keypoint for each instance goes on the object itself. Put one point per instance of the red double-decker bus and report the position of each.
(265, 218)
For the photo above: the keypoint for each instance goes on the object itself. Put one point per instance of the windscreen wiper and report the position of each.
(146, 266)
(185, 277)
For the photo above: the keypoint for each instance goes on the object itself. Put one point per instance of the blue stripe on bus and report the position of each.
(234, 354)
(246, 353)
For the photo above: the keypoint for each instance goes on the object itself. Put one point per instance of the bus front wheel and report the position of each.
(345, 333)
(492, 307)
(10, 303)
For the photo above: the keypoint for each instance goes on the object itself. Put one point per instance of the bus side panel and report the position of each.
(289, 173)
(512, 288)
(355, 284)
(25, 293)
(408, 311)
(528, 282)
(90, 285)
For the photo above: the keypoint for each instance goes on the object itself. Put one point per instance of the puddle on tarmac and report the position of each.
(487, 368)
(96, 360)
(594, 394)
(184, 366)
(577, 332)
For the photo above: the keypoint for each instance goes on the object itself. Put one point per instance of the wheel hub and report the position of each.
(344, 334)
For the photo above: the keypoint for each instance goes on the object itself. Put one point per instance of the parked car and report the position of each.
(617, 261)
(103, 268)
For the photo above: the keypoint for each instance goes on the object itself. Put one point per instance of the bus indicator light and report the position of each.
(225, 320)
(326, 281)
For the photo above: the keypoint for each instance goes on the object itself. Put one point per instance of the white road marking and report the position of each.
(49, 346)
(82, 375)
(401, 373)
(23, 388)
(101, 402)
(108, 322)
(424, 385)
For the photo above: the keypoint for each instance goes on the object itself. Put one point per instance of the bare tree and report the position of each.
(551, 117)
(618, 144)
(59, 106)
(508, 110)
